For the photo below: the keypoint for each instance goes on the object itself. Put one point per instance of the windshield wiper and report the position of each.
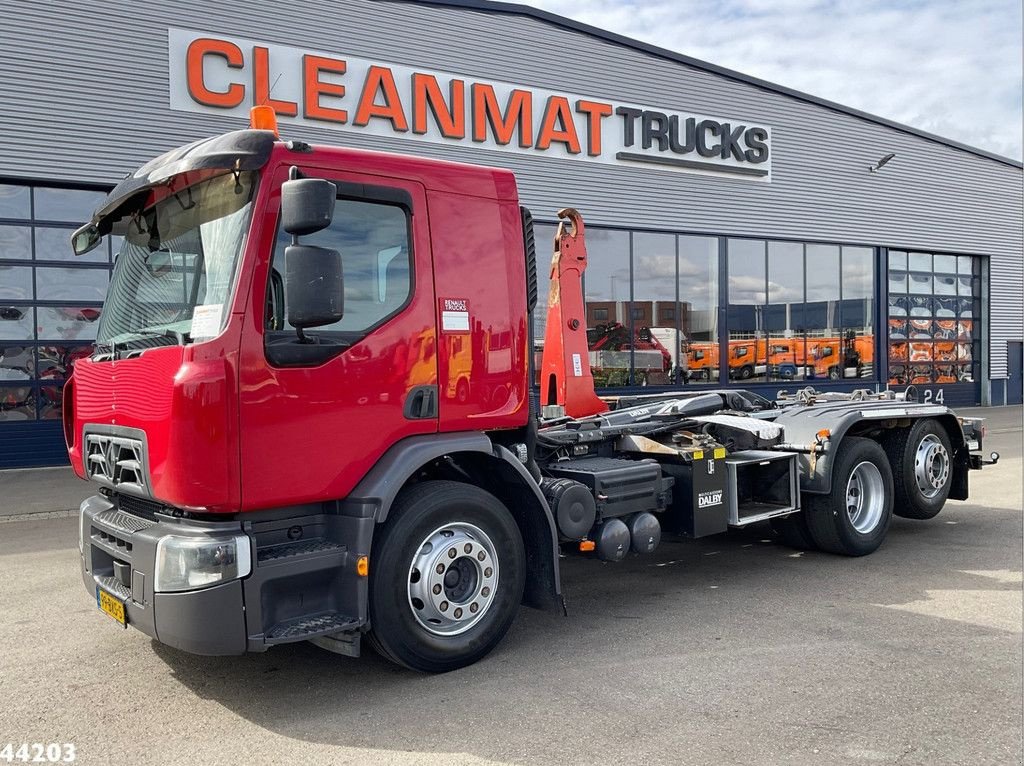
(118, 349)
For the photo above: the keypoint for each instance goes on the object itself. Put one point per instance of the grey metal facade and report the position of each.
(84, 89)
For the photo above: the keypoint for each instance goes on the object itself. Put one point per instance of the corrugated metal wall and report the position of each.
(83, 89)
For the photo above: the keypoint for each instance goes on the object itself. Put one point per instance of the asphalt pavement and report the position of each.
(728, 650)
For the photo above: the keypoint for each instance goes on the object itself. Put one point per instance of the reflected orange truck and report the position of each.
(836, 359)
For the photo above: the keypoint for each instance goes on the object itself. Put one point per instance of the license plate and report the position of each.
(111, 606)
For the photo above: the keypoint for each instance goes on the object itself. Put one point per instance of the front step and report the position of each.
(312, 547)
(309, 626)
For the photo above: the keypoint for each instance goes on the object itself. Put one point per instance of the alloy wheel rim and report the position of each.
(931, 466)
(453, 579)
(865, 497)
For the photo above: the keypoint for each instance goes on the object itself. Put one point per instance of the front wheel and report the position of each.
(853, 518)
(447, 576)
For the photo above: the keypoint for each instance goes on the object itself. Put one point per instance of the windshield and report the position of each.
(173, 275)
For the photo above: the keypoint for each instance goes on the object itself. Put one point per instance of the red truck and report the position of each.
(265, 419)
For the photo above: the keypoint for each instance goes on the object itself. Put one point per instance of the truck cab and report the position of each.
(211, 398)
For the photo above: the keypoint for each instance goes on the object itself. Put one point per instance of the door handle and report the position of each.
(421, 403)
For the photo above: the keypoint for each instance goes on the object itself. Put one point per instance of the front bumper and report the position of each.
(303, 582)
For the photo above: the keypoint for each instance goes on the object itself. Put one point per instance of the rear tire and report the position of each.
(853, 518)
(439, 621)
(922, 467)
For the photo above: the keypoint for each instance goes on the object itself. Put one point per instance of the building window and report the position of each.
(50, 301)
(800, 311)
(934, 316)
(607, 286)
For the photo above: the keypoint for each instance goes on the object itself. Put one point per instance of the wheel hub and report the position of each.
(865, 497)
(452, 579)
(931, 466)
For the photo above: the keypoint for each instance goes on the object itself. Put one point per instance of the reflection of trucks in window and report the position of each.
(747, 358)
(835, 358)
(702, 361)
(609, 356)
(258, 486)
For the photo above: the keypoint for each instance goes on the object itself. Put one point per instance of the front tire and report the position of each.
(448, 571)
(921, 457)
(854, 517)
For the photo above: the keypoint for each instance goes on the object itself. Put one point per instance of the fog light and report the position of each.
(187, 563)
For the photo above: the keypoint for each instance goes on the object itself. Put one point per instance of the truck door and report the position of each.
(312, 426)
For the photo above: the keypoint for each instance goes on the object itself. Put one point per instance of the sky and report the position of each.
(950, 67)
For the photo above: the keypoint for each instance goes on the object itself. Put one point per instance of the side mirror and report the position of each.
(314, 286)
(85, 239)
(307, 205)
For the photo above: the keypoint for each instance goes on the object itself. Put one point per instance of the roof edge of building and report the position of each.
(497, 6)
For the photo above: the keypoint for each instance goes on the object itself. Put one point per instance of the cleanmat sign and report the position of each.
(228, 75)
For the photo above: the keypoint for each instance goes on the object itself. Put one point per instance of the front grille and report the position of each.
(139, 506)
(118, 462)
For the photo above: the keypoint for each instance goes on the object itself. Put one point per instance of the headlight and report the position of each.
(187, 563)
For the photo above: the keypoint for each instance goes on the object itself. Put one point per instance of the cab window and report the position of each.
(373, 239)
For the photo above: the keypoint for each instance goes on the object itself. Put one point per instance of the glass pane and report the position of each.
(945, 264)
(51, 399)
(945, 329)
(945, 351)
(825, 344)
(70, 205)
(920, 306)
(857, 311)
(16, 362)
(16, 323)
(921, 374)
(898, 281)
(897, 329)
(17, 403)
(784, 323)
(67, 323)
(964, 264)
(945, 285)
(920, 284)
(898, 260)
(920, 329)
(748, 293)
(544, 237)
(920, 262)
(70, 284)
(15, 201)
(607, 287)
(899, 306)
(54, 244)
(55, 362)
(944, 307)
(656, 339)
(698, 297)
(15, 283)
(16, 242)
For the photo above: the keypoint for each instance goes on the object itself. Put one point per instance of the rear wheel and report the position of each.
(853, 518)
(447, 578)
(921, 457)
